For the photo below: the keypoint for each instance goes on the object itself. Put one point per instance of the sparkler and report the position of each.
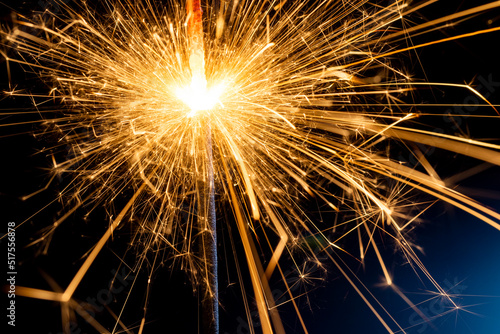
(199, 98)
(286, 96)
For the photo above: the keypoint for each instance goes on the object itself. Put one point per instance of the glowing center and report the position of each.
(198, 97)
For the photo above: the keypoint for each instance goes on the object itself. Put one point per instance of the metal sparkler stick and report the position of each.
(208, 246)
(206, 191)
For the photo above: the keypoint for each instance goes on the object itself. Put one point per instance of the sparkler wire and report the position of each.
(206, 198)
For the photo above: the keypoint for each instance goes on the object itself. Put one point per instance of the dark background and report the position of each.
(460, 251)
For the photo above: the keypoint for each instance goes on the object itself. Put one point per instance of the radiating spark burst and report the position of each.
(294, 111)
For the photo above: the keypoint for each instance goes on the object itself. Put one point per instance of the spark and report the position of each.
(298, 101)
(198, 97)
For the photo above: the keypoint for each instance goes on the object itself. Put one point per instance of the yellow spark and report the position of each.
(294, 111)
(198, 97)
